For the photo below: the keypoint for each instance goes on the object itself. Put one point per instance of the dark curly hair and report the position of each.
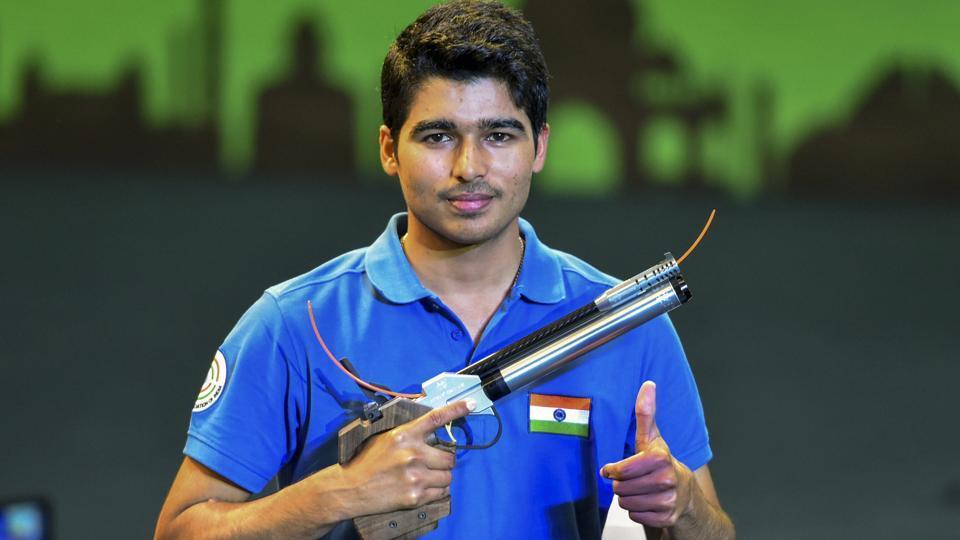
(464, 40)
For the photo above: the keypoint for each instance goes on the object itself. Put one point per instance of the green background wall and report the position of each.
(816, 58)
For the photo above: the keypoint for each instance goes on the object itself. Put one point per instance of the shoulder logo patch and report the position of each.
(214, 383)
(561, 415)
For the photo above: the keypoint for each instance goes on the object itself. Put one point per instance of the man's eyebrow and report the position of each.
(487, 124)
(431, 125)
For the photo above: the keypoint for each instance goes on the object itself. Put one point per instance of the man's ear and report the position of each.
(542, 138)
(388, 151)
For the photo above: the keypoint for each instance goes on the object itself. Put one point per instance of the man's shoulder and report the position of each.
(579, 272)
(553, 275)
(334, 273)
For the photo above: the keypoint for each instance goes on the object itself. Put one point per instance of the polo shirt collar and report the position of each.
(541, 278)
(388, 268)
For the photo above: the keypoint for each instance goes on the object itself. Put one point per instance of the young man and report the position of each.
(458, 276)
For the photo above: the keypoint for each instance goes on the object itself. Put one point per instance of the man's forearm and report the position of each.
(307, 509)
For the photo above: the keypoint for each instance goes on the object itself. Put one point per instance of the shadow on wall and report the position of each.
(608, 61)
(82, 131)
(304, 126)
(901, 141)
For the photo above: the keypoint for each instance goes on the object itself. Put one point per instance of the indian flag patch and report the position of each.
(559, 414)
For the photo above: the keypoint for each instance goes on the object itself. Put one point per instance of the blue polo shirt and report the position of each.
(274, 404)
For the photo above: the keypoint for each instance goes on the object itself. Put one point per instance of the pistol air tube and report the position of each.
(626, 315)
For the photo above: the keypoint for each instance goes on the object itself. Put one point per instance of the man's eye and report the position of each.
(436, 138)
(499, 137)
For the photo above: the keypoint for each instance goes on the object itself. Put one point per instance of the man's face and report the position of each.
(464, 157)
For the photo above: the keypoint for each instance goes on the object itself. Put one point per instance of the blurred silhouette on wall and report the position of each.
(769, 164)
(598, 55)
(304, 125)
(87, 132)
(83, 131)
(901, 140)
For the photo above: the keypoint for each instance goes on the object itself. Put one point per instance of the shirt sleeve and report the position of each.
(250, 430)
(679, 413)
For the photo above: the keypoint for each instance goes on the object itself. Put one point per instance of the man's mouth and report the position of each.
(470, 202)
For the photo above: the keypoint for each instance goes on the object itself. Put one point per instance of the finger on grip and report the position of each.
(440, 459)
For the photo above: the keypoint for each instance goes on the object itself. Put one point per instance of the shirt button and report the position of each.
(456, 335)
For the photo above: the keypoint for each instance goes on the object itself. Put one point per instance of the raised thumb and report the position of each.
(646, 411)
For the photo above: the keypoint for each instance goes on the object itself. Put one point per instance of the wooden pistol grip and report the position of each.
(403, 523)
(406, 524)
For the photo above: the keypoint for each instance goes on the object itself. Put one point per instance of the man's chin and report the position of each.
(473, 232)
(465, 239)
(466, 230)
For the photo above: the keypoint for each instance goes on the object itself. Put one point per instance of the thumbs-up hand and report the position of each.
(654, 488)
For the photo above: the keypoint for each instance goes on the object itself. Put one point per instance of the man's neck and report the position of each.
(455, 271)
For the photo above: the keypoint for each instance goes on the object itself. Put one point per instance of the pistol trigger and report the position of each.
(486, 411)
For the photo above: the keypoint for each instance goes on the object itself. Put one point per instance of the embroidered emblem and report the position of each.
(561, 415)
(214, 383)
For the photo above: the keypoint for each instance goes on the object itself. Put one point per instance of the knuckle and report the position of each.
(414, 478)
(656, 503)
(667, 482)
(412, 498)
(436, 418)
(618, 488)
(398, 436)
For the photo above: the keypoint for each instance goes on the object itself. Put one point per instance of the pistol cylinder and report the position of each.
(638, 284)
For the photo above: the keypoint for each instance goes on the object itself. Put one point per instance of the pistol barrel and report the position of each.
(556, 353)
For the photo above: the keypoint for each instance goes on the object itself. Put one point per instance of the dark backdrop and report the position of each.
(822, 335)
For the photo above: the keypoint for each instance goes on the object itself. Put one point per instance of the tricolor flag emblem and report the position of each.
(559, 414)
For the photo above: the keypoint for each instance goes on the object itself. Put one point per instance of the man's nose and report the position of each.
(471, 161)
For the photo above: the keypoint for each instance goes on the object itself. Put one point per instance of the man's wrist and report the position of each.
(695, 497)
(700, 518)
(321, 500)
(333, 486)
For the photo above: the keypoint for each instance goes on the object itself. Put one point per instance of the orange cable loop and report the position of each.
(336, 362)
(699, 238)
